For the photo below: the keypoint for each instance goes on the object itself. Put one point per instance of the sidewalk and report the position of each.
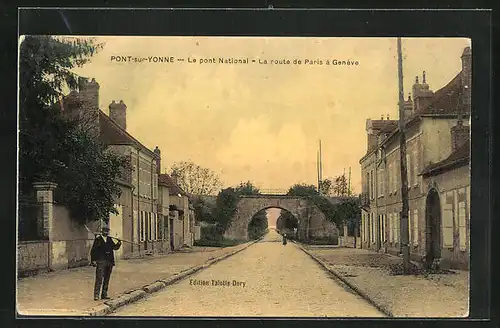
(367, 272)
(70, 292)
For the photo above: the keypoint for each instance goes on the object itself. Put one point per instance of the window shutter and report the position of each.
(398, 227)
(390, 228)
(415, 228)
(382, 183)
(408, 168)
(448, 225)
(462, 228)
(149, 227)
(394, 223)
(136, 222)
(410, 226)
(415, 166)
(141, 226)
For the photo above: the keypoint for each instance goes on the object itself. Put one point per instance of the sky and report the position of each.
(262, 122)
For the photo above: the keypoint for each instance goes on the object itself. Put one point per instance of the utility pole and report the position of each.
(317, 169)
(320, 163)
(404, 233)
(349, 186)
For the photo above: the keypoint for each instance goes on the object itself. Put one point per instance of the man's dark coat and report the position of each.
(103, 250)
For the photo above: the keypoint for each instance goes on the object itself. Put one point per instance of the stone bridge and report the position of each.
(312, 223)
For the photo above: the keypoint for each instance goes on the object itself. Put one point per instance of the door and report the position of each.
(433, 226)
(171, 234)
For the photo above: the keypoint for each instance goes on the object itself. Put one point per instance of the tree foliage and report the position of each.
(203, 210)
(247, 188)
(331, 211)
(196, 180)
(226, 205)
(341, 187)
(258, 225)
(53, 148)
(303, 190)
(326, 186)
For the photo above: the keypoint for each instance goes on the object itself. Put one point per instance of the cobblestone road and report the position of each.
(266, 279)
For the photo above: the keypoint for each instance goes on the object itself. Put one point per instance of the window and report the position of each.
(134, 176)
(150, 235)
(415, 227)
(396, 227)
(395, 172)
(408, 176)
(391, 179)
(410, 225)
(462, 229)
(155, 186)
(415, 166)
(141, 227)
(382, 182)
(390, 228)
(372, 228)
(368, 184)
(448, 225)
(135, 216)
(372, 191)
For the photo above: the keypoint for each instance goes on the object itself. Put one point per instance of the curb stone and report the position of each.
(132, 296)
(360, 292)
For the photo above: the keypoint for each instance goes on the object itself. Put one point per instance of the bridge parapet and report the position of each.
(274, 196)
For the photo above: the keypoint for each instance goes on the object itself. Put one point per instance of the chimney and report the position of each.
(158, 160)
(388, 117)
(84, 104)
(460, 134)
(421, 93)
(89, 92)
(118, 113)
(382, 117)
(372, 137)
(466, 76)
(408, 107)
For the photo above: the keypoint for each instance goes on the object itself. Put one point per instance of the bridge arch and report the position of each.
(313, 224)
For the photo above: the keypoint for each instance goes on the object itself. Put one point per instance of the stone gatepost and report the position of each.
(45, 197)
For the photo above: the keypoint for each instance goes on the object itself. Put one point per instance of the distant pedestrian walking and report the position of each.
(284, 239)
(102, 257)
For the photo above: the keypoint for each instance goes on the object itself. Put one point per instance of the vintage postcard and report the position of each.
(244, 176)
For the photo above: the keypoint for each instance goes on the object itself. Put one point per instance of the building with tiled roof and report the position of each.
(141, 220)
(437, 156)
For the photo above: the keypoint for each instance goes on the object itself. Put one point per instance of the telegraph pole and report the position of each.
(317, 169)
(349, 185)
(404, 233)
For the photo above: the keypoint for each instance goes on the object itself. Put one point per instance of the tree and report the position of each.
(325, 187)
(203, 211)
(302, 190)
(340, 186)
(226, 203)
(54, 148)
(258, 225)
(194, 179)
(247, 188)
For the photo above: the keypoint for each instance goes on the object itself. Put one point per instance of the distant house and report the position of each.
(437, 156)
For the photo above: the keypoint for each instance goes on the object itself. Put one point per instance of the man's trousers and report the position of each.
(102, 275)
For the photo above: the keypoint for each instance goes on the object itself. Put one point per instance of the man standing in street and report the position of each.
(102, 257)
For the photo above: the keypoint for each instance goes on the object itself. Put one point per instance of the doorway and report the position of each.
(171, 234)
(433, 226)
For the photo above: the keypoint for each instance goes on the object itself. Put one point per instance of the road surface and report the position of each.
(266, 279)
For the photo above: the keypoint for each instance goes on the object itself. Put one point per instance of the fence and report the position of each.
(43, 255)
